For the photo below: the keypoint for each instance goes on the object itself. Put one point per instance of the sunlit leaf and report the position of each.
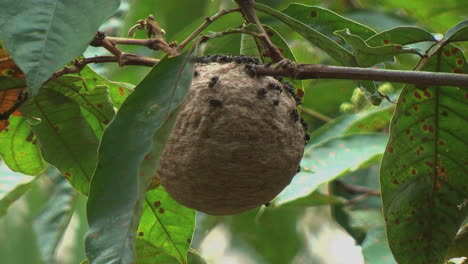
(114, 219)
(372, 120)
(65, 138)
(424, 169)
(43, 36)
(166, 227)
(19, 148)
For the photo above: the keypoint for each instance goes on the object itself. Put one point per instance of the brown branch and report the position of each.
(356, 189)
(318, 71)
(208, 21)
(247, 8)
(123, 60)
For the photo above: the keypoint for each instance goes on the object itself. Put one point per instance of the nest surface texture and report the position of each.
(236, 143)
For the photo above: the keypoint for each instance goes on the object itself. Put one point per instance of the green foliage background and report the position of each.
(108, 168)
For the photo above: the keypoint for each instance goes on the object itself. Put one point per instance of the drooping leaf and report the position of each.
(329, 159)
(19, 148)
(367, 56)
(51, 223)
(457, 33)
(424, 169)
(65, 138)
(323, 42)
(114, 219)
(44, 35)
(165, 228)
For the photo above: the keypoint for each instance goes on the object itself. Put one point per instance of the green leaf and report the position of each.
(65, 138)
(367, 56)
(330, 159)
(12, 186)
(166, 227)
(457, 33)
(90, 96)
(278, 226)
(337, 52)
(42, 36)
(423, 174)
(316, 198)
(118, 92)
(51, 224)
(375, 247)
(402, 35)
(114, 219)
(371, 120)
(326, 21)
(19, 149)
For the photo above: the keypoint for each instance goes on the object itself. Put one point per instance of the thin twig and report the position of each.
(125, 59)
(208, 21)
(318, 71)
(247, 8)
(316, 114)
(356, 189)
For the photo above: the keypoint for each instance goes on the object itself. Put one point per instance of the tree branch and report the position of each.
(318, 71)
(247, 8)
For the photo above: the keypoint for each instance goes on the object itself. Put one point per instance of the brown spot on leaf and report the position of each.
(121, 91)
(390, 149)
(157, 203)
(161, 210)
(417, 95)
(386, 41)
(141, 234)
(413, 172)
(313, 14)
(459, 61)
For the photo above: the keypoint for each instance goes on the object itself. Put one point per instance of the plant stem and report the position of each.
(318, 71)
(247, 8)
(208, 21)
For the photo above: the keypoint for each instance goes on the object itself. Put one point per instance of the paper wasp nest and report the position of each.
(238, 139)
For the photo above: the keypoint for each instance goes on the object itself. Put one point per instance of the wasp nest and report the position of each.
(237, 141)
